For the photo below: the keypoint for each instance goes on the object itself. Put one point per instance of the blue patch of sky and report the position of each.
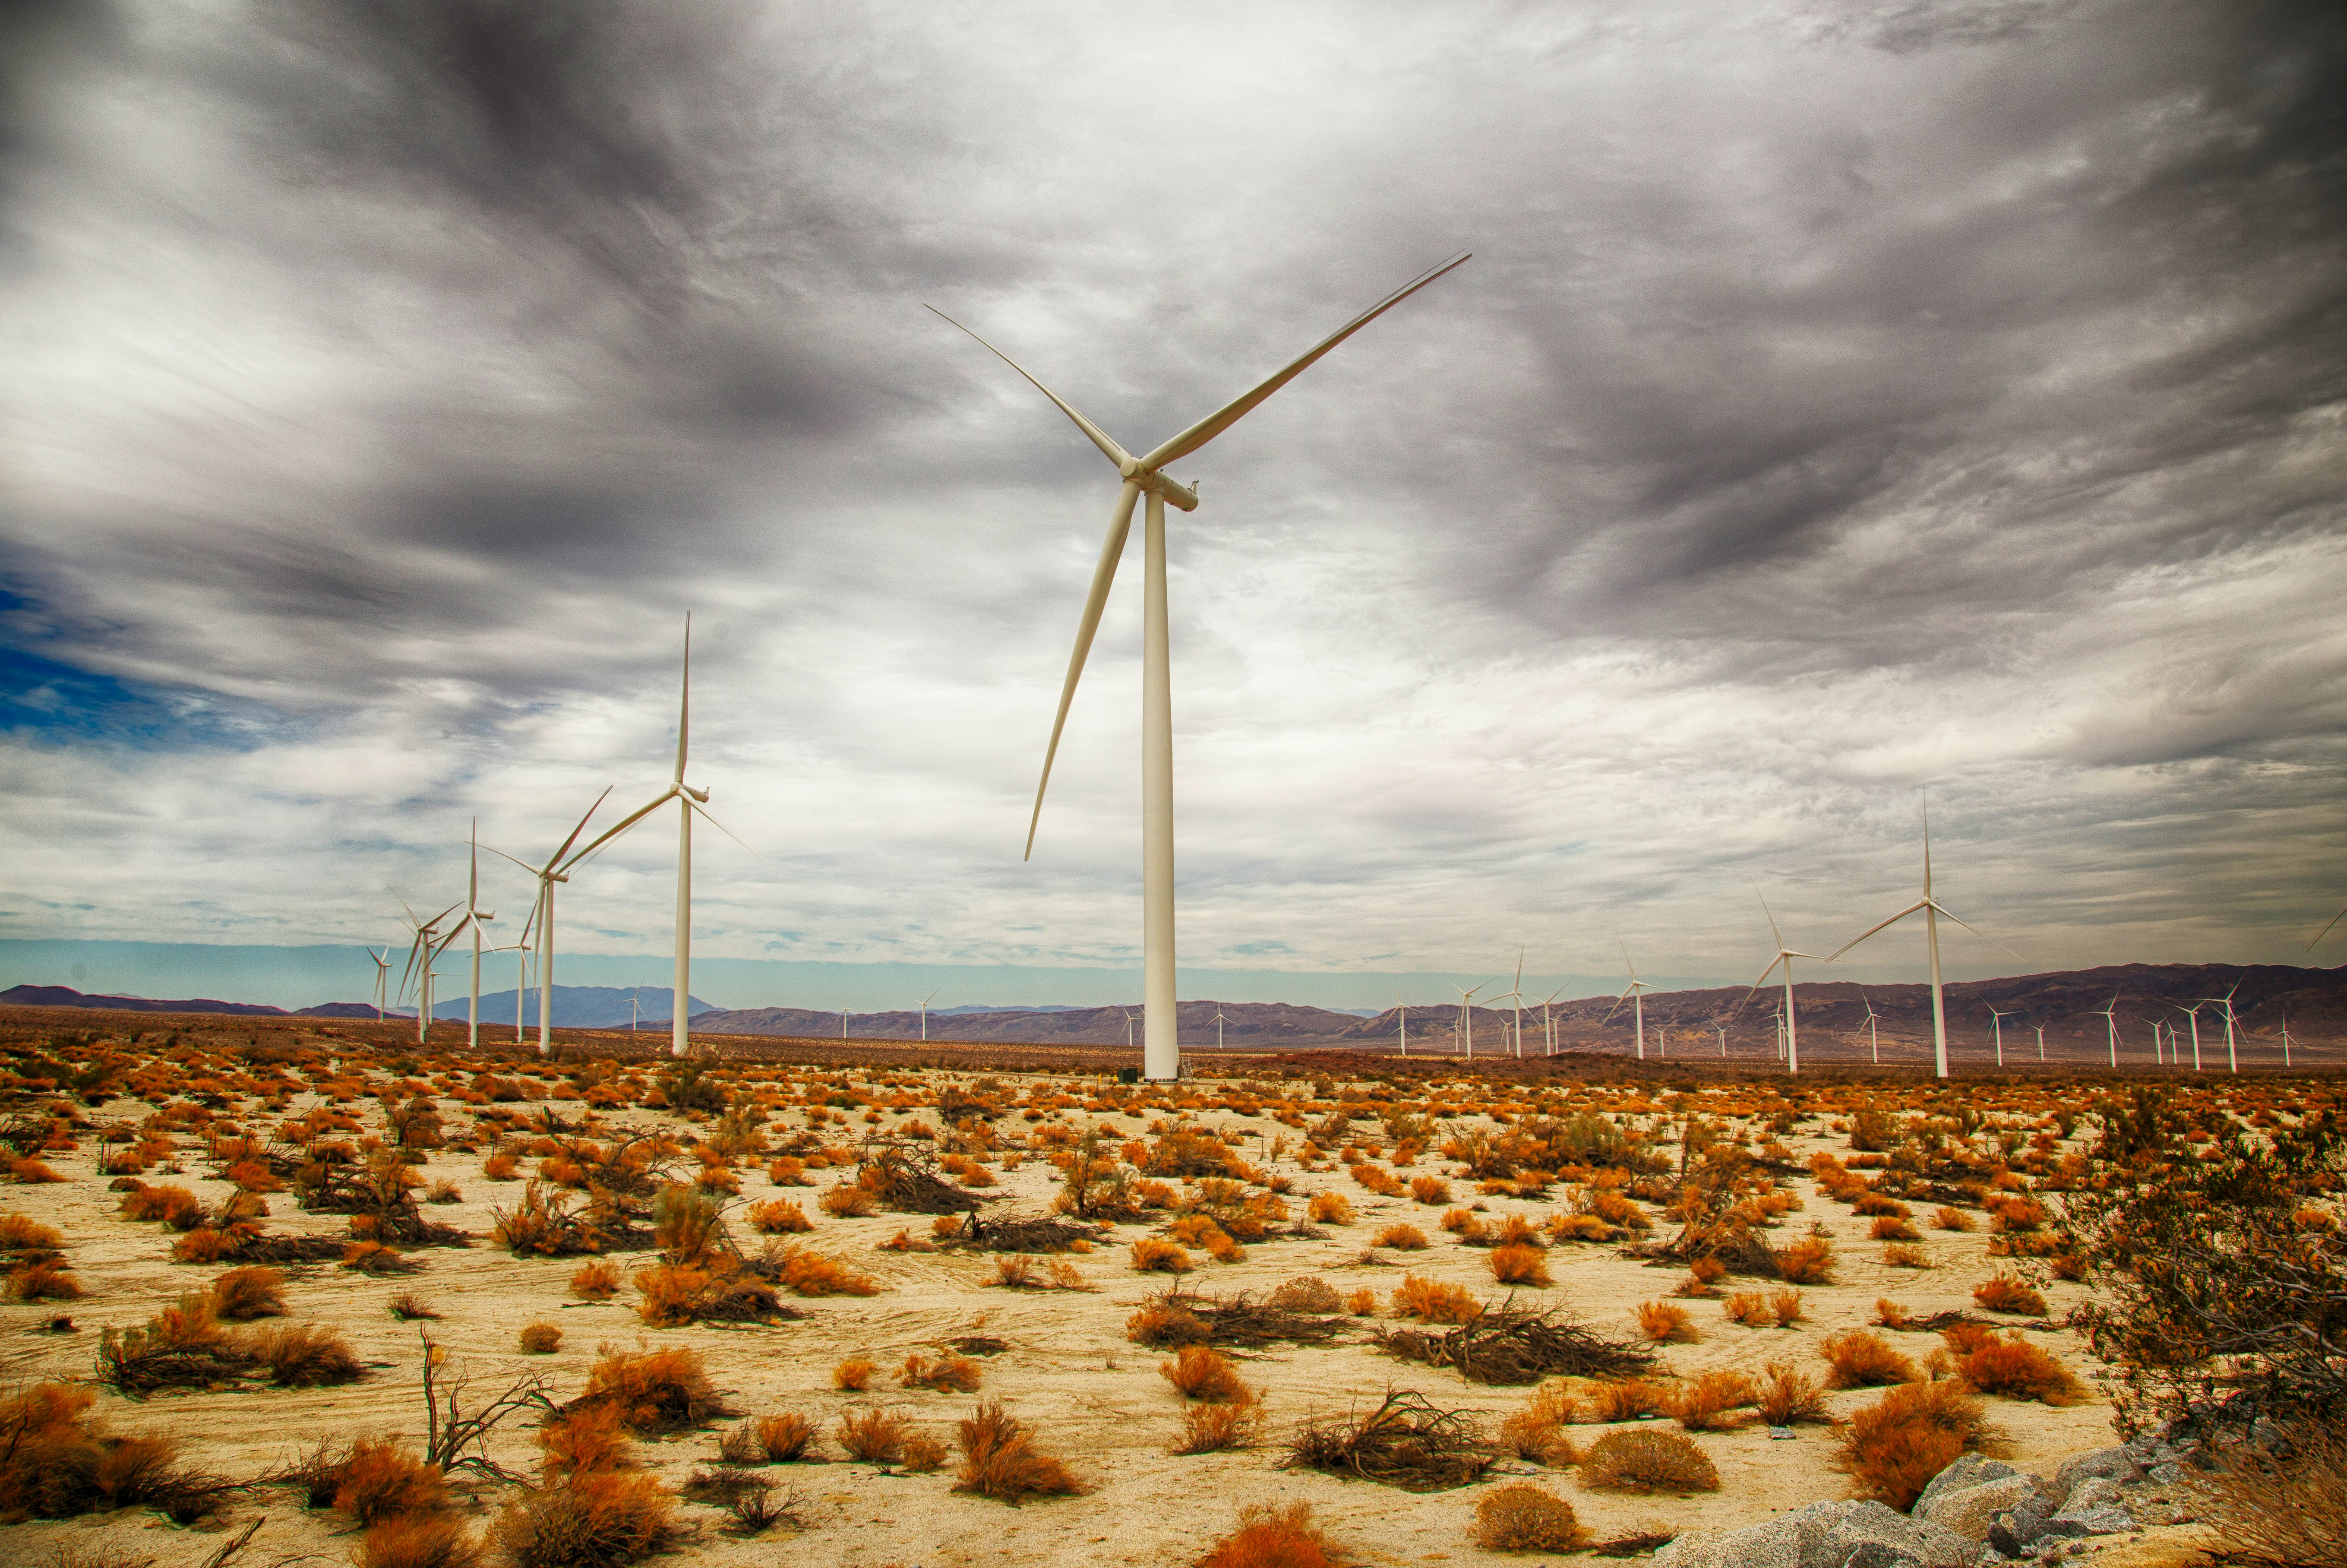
(48, 699)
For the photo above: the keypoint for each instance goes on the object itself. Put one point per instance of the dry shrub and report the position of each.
(540, 1339)
(1155, 1254)
(906, 1241)
(21, 1232)
(306, 1356)
(1703, 1274)
(1644, 1460)
(375, 1481)
(1662, 1323)
(1330, 1209)
(41, 1281)
(1861, 1359)
(923, 1453)
(1787, 1307)
(1520, 1265)
(2017, 1369)
(1203, 1373)
(209, 1246)
(2277, 1507)
(1306, 1292)
(54, 1465)
(1536, 1432)
(652, 1390)
(1952, 1220)
(1430, 1190)
(597, 1518)
(173, 1205)
(852, 1374)
(1893, 1448)
(1899, 1255)
(670, 1292)
(585, 1438)
(874, 1436)
(1808, 1261)
(1751, 1309)
(1403, 1238)
(1789, 1396)
(501, 1167)
(373, 1257)
(1237, 1423)
(597, 1281)
(1890, 1229)
(1361, 1303)
(1431, 1301)
(1274, 1538)
(779, 1216)
(846, 1202)
(2002, 1293)
(1521, 1517)
(1889, 1314)
(425, 1543)
(28, 1171)
(1000, 1459)
(1709, 1403)
(946, 1374)
(785, 1438)
(1626, 1401)
(813, 1274)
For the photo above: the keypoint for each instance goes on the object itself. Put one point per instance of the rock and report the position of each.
(2094, 1491)
(2166, 1472)
(1798, 1540)
(2027, 1530)
(1691, 1549)
(1968, 1470)
(1970, 1511)
(1915, 1543)
(2107, 1464)
(2104, 1520)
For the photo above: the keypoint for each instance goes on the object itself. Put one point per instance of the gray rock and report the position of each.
(1970, 1511)
(1874, 1555)
(1968, 1470)
(2166, 1472)
(1921, 1543)
(2102, 1521)
(1798, 1540)
(2107, 1464)
(1691, 1549)
(2092, 1492)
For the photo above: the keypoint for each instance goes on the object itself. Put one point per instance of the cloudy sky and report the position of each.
(1843, 399)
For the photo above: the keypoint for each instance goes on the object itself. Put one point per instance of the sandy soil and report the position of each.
(1095, 1400)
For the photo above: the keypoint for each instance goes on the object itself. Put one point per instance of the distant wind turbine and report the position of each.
(2041, 1040)
(2109, 1015)
(420, 953)
(1635, 993)
(381, 979)
(2285, 1034)
(1548, 1020)
(2193, 1013)
(1931, 910)
(555, 869)
(1785, 957)
(474, 917)
(1219, 1022)
(1996, 1023)
(1517, 996)
(1401, 1019)
(925, 1015)
(1873, 1045)
(2232, 1059)
(1467, 1015)
(1162, 1055)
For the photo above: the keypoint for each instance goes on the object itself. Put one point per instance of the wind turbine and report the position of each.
(1996, 1023)
(1548, 1020)
(2110, 1022)
(1873, 1044)
(1401, 1016)
(475, 916)
(1162, 1055)
(2326, 930)
(1723, 1042)
(1127, 1027)
(1467, 1015)
(1635, 993)
(1218, 1026)
(1517, 994)
(1785, 955)
(2285, 1035)
(555, 869)
(381, 979)
(925, 1015)
(1931, 910)
(423, 947)
(2192, 1012)
(2041, 1040)
(2233, 1061)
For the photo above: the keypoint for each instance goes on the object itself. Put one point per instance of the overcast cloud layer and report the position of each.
(1844, 398)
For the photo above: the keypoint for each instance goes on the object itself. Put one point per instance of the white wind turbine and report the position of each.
(2109, 1015)
(1635, 993)
(424, 948)
(2232, 1059)
(1401, 1018)
(2285, 1035)
(1517, 996)
(1467, 1015)
(2041, 1040)
(2193, 1013)
(541, 914)
(1785, 955)
(1931, 910)
(1219, 1022)
(381, 979)
(690, 801)
(1996, 1025)
(1873, 1044)
(1548, 1019)
(474, 917)
(1161, 1053)
(925, 1015)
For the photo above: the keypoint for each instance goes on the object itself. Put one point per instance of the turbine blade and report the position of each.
(525, 865)
(684, 697)
(1774, 934)
(579, 829)
(1101, 438)
(1120, 524)
(2326, 930)
(1894, 919)
(1767, 973)
(1975, 930)
(1231, 413)
(692, 804)
(622, 825)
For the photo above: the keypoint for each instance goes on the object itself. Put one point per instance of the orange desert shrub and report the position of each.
(1709, 1403)
(1893, 1448)
(20, 1233)
(1000, 1459)
(420, 1542)
(175, 1206)
(1201, 1374)
(501, 1168)
(1952, 1220)
(2020, 1370)
(1536, 1432)
(1520, 1265)
(812, 1274)
(1626, 1401)
(1808, 1261)
(540, 1339)
(1521, 1517)
(600, 1518)
(946, 1374)
(779, 1216)
(1665, 1323)
(1861, 1359)
(923, 1453)
(2002, 1293)
(1403, 1238)
(1789, 1396)
(851, 1375)
(1155, 1254)
(845, 1202)
(653, 1390)
(1361, 1303)
(1237, 1423)
(305, 1356)
(586, 1438)
(1430, 1190)
(41, 1281)
(786, 1438)
(1787, 1307)
(1645, 1460)
(1433, 1301)
(1890, 1229)
(375, 1481)
(1274, 1538)
(1330, 1209)
(243, 1295)
(598, 1281)
(875, 1437)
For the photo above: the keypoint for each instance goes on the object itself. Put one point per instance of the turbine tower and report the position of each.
(1548, 1019)
(1785, 955)
(1218, 1026)
(2193, 1013)
(2232, 1059)
(1401, 1018)
(1467, 1015)
(381, 979)
(1162, 1052)
(423, 947)
(1931, 910)
(475, 916)
(1635, 993)
(1996, 1024)
(1873, 1043)
(555, 869)
(2109, 1015)
(1517, 994)
(925, 1015)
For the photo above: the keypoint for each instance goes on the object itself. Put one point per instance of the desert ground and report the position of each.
(878, 1157)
